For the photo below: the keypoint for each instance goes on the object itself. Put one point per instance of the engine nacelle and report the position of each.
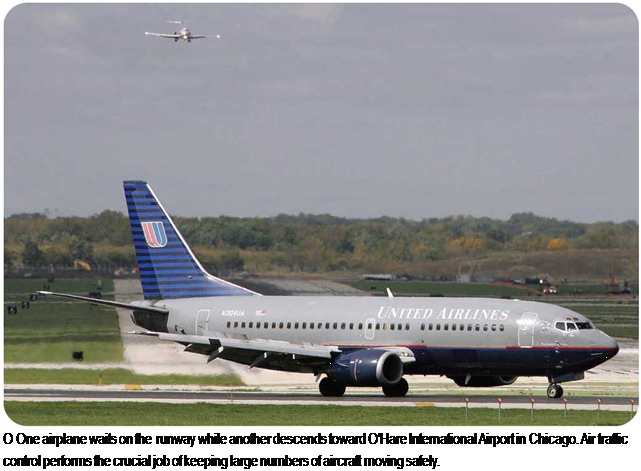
(482, 381)
(367, 367)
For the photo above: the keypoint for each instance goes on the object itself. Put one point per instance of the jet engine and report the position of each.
(367, 367)
(482, 381)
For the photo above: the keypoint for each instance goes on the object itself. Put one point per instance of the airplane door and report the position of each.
(202, 322)
(526, 329)
(369, 328)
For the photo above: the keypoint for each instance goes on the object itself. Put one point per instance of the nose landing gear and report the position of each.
(555, 391)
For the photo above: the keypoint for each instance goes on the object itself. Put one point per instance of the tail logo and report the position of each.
(154, 234)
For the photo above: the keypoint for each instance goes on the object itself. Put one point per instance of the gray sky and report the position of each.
(355, 110)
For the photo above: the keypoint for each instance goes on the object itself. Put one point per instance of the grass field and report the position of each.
(145, 413)
(111, 376)
(52, 328)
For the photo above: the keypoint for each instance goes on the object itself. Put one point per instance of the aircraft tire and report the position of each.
(331, 388)
(555, 391)
(397, 390)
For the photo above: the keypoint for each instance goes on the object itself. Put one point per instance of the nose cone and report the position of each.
(607, 345)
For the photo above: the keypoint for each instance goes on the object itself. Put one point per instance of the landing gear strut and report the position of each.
(555, 391)
(331, 388)
(396, 390)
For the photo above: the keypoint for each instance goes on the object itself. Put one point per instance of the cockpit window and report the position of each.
(560, 325)
(584, 325)
(571, 326)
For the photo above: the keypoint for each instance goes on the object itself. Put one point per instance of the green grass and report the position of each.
(621, 332)
(52, 328)
(141, 413)
(111, 376)
(21, 287)
(424, 288)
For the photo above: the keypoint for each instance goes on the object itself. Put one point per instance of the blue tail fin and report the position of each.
(168, 267)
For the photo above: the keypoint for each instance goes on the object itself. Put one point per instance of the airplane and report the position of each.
(347, 341)
(184, 34)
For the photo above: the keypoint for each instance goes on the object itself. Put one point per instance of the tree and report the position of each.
(32, 256)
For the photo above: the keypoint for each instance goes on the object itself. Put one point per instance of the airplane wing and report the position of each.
(160, 35)
(302, 357)
(104, 302)
(217, 36)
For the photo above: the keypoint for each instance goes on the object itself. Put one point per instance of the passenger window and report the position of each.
(560, 326)
(502, 328)
(446, 327)
(351, 326)
(431, 327)
(280, 326)
(251, 325)
(360, 326)
(478, 327)
(453, 326)
(378, 326)
(407, 327)
(438, 326)
(392, 327)
(242, 326)
(304, 325)
(311, 325)
(273, 325)
(320, 325)
(423, 326)
(335, 326)
(493, 327)
(295, 325)
(289, 325)
(235, 325)
(484, 327)
(228, 324)
(370, 326)
(400, 326)
(384, 325)
(266, 325)
(327, 325)
(343, 326)
(469, 327)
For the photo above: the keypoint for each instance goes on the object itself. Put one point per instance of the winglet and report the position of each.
(389, 293)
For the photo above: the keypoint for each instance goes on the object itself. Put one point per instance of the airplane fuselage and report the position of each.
(445, 336)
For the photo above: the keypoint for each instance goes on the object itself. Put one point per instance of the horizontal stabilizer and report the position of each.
(103, 302)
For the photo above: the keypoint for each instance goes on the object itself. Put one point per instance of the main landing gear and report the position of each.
(396, 390)
(555, 391)
(331, 388)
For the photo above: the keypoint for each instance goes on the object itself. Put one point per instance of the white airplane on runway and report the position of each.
(352, 341)
(184, 34)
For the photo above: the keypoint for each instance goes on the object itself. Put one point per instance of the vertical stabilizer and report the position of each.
(168, 267)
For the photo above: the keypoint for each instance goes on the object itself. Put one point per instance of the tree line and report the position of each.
(306, 242)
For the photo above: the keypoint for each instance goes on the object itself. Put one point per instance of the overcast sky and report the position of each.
(354, 110)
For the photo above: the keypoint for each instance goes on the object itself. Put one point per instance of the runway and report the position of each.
(354, 399)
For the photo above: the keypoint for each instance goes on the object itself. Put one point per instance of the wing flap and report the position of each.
(258, 345)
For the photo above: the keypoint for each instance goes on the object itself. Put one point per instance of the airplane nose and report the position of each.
(614, 346)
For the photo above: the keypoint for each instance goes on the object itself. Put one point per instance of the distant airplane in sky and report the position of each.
(184, 34)
(352, 341)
